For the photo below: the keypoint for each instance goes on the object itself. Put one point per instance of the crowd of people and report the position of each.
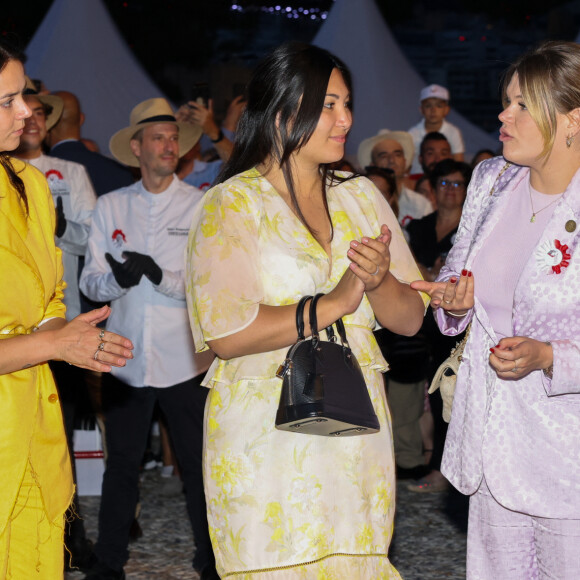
(170, 277)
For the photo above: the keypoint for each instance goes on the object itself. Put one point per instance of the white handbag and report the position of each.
(446, 376)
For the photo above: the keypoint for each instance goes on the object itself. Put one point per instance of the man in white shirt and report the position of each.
(135, 261)
(71, 188)
(394, 150)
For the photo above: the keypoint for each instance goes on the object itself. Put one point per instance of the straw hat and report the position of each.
(54, 103)
(151, 112)
(366, 147)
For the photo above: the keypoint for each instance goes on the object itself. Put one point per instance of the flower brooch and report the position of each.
(554, 256)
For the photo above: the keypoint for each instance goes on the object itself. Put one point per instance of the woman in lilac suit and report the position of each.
(513, 442)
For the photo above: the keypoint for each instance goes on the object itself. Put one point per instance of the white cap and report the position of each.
(434, 91)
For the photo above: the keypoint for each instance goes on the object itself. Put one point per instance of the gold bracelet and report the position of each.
(456, 315)
(549, 372)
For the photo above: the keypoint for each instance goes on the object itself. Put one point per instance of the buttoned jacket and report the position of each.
(522, 435)
(31, 425)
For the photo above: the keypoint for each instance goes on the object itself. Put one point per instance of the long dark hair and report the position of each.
(9, 53)
(285, 100)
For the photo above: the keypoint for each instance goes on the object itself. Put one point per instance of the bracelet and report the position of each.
(549, 372)
(448, 312)
(220, 137)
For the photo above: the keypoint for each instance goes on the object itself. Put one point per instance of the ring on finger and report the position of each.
(102, 334)
(447, 301)
(375, 272)
(515, 369)
(96, 355)
(101, 346)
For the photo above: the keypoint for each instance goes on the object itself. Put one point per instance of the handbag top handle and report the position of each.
(314, 324)
(300, 316)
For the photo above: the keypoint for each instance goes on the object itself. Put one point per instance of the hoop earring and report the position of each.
(570, 140)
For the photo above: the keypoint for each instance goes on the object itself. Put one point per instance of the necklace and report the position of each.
(535, 213)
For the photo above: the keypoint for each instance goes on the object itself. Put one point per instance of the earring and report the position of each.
(570, 140)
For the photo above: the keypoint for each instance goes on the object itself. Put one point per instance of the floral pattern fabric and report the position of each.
(280, 504)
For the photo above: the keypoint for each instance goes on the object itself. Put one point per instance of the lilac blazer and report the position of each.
(524, 435)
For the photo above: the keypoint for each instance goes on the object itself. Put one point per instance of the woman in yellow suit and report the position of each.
(35, 473)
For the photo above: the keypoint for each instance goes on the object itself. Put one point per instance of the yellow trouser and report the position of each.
(31, 547)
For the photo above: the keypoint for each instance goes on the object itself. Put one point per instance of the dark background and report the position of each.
(462, 44)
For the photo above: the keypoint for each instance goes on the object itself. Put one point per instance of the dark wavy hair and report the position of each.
(10, 53)
(285, 100)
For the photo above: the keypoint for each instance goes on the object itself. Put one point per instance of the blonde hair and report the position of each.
(549, 79)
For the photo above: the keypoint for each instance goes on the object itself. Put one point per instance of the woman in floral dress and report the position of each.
(278, 226)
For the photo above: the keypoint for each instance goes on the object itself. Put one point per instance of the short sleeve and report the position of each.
(223, 283)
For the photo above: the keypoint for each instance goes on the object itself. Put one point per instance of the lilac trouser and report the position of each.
(507, 545)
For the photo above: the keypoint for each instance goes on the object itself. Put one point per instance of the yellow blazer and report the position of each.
(31, 290)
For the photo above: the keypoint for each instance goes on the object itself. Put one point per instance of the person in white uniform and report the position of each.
(70, 185)
(135, 260)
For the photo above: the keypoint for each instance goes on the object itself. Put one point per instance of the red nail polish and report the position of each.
(492, 349)
(453, 280)
(464, 272)
(469, 274)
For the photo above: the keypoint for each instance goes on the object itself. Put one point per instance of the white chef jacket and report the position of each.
(153, 317)
(412, 206)
(70, 181)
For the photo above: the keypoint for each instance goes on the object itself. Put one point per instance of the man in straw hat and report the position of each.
(394, 150)
(75, 200)
(135, 261)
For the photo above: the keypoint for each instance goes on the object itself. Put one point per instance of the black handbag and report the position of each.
(323, 388)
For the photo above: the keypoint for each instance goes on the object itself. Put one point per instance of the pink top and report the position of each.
(497, 267)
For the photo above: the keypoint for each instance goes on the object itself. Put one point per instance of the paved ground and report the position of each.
(429, 542)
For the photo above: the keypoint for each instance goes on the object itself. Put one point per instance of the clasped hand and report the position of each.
(369, 264)
(136, 265)
(515, 357)
(371, 259)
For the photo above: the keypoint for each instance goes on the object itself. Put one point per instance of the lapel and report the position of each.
(567, 210)
(501, 185)
(14, 223)
(493, 206)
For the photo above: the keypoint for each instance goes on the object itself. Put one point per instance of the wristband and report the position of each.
(549, 372)
(220, 137)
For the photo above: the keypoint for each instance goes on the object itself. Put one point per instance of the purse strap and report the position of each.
(300, 316)
(314, 324)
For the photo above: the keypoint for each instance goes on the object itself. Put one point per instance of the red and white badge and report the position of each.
(57, 183)
(119, 238)
(554, 256)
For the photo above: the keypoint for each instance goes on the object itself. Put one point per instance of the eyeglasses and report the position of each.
(453, 184)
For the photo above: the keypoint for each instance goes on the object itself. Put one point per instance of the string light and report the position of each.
(289, 11)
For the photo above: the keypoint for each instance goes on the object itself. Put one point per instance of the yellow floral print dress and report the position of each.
(287, 505)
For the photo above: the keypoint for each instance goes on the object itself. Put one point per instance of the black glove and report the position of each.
(60, 219)
(126, 273)
(146, 264)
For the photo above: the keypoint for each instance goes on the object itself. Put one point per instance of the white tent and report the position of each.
(79, 49)
(386, 87)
